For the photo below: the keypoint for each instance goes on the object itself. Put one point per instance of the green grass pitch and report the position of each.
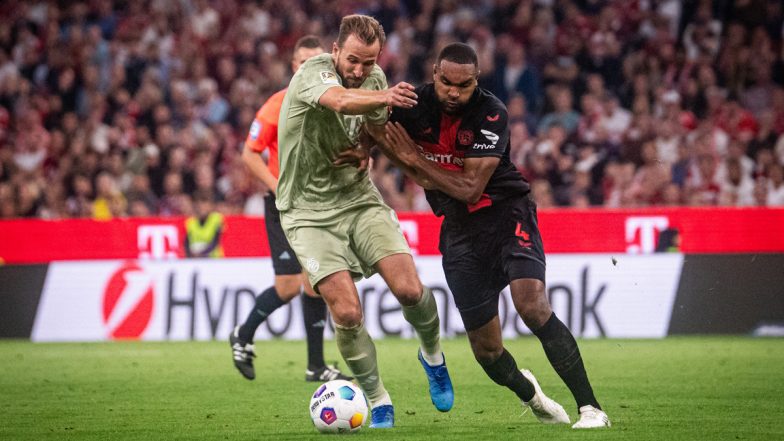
(695, 388)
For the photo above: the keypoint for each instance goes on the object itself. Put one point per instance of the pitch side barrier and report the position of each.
(565, 231)
(596, 295)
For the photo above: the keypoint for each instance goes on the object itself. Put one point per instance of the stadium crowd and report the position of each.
(129, 108)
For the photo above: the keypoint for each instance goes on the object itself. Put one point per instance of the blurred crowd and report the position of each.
(129, 108)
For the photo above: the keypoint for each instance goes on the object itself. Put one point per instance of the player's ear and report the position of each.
(335, 48)
(435, 70)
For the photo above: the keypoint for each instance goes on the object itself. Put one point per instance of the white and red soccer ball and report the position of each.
(338, 406)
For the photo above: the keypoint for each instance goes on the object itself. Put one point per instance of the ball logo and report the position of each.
(128, 301)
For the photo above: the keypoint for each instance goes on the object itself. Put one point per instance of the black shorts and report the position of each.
(486, 250)
(284, 261)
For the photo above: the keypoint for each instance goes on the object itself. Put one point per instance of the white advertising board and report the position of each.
(203, 299)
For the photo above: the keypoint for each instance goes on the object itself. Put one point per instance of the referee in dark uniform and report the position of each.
(455, 143)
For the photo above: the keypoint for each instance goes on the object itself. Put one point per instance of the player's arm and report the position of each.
(251, 154)
(378, 133)
(466, 185)
(361, 101)
(359, 156)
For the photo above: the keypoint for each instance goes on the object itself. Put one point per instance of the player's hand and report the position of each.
(401, 95)
(358, 157)
(402, 145)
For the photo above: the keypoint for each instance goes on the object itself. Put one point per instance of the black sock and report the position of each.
(314, 314)
(267, 302)
(564, 355)
(504, 372)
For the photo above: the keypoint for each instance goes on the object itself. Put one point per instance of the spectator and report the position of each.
(513, 74)
(159, 88)
(562, 115)
(109, 201)
(204, 230)
(737, 188)
(775, 185)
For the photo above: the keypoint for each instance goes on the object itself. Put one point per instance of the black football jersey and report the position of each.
(481, 129)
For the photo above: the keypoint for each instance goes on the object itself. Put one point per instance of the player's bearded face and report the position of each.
(355, 60)
(454, 84)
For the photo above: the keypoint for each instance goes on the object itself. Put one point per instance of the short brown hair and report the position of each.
(367, 29)
(309, 42)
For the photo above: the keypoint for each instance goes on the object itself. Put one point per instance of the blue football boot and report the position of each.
(441, 393)
(382, 417)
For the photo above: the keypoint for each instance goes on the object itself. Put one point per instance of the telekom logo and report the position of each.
(158, 241)
(641, 233)
(128, 300)
(410, 230)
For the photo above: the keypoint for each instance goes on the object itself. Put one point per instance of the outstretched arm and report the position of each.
(360, 101)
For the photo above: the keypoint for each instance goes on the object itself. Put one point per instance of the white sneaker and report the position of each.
(591, 418)
(545, 409)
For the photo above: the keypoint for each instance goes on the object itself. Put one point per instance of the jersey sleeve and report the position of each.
(493, 136)
(261, 136)
(263, 131)
(315, 78)
(377, 81)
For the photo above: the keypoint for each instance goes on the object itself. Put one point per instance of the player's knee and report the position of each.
(530, 299)
(535, 314)
(288, 287)
(347, 315)
(486, 356)
(408, 292)
(487, 352)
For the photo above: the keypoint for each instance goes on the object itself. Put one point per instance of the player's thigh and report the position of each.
(340, 294)
(474, 289)
(519, 241)
(288, 286)
(486, 341)
(306, 286)
(399, 273)
(322, 247)
(530, 301)
(376, 234)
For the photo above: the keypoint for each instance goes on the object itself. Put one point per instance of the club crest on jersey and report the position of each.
(465, 137)
(328, 77)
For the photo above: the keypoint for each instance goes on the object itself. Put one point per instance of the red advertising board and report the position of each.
(701, 230)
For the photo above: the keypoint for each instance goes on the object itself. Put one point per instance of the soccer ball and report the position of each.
(338, 406)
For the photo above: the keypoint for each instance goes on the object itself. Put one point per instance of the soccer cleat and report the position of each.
(591, 418)
(441, 393)
(545, 408)
(242, 354)
(326, 373)
(382, 417)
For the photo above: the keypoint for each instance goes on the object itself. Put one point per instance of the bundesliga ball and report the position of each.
(338, 406)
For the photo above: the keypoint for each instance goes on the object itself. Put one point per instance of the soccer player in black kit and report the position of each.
(455, 143)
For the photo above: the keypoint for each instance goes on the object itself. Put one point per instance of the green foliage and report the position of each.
(700, 388)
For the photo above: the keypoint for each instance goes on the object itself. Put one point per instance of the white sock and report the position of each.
(381, 401)
(436, 359)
